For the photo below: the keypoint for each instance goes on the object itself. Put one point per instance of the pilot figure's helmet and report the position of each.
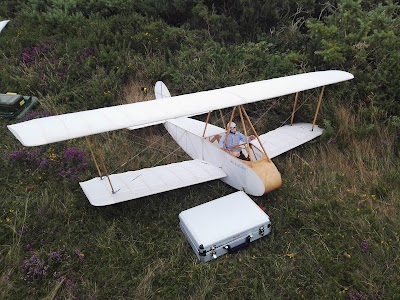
(232, 125)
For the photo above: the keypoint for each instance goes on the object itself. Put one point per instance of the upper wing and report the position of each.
(68, 126)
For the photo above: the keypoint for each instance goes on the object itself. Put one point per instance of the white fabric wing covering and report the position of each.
(68, 126)
(150, 181)
(287, 137)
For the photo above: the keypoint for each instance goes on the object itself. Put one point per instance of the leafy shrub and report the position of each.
(365, 43)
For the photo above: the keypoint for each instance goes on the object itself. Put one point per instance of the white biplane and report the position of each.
(198, 139)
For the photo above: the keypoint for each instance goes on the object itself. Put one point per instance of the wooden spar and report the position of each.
(245, 134)
(318, 106)
(205, 127)
(255, 133)
(294, 107)
(229, 124)
(222, 118)
(104, 166)
(92, 154)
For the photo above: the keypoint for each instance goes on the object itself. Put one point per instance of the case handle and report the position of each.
(240, 246)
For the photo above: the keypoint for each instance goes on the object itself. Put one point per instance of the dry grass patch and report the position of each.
(144, 289)
(135, 92)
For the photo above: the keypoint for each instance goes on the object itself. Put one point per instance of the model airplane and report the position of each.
(198, 139)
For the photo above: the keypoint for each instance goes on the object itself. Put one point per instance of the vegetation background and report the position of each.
(335, 220)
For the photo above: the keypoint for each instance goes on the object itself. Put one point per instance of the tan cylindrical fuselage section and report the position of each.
(268, 173)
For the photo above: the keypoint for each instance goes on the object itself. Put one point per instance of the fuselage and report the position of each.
(255, 177)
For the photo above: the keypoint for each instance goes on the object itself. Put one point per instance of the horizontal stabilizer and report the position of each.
(140, 183)
(287, 137)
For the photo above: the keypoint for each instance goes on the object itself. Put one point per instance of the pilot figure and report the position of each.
(233, 140)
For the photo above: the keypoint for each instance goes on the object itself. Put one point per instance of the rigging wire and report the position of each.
(262, 116)
(275, 103)
(145, 149)
(146, 140)
(178, 148)
(304, 102)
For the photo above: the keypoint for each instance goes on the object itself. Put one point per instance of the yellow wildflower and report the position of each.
(343, 290)
(290, 255)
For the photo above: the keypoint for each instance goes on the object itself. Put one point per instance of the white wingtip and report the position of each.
(15, 132)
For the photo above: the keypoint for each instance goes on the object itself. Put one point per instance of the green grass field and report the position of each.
(335, 228)
(335, 221)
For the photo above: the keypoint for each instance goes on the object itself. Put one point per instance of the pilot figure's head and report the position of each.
(232, 127)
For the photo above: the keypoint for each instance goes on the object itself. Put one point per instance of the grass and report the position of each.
(334, 235)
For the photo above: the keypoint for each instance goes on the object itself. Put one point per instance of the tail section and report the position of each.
(161, 91)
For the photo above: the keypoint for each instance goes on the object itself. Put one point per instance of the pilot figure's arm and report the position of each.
(243, 138)
(221, 141)
(249, 139)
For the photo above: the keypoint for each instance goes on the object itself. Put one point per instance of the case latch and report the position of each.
(261, 230)
(202, 251)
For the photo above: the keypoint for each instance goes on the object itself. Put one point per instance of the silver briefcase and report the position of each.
(224, 225)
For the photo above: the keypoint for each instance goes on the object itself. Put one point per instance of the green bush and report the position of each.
(366, 43)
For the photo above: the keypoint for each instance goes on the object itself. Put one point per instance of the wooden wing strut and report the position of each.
(101, 161)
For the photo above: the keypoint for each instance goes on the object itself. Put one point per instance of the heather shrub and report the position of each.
(73, 163)
(57, 257)
(52, 268)
(46, 163)
(34, 114)
(34, 268)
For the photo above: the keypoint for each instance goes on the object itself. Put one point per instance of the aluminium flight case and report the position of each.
(224, 225)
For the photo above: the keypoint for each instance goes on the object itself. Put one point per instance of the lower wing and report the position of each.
(287, 137)
(144, 182)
